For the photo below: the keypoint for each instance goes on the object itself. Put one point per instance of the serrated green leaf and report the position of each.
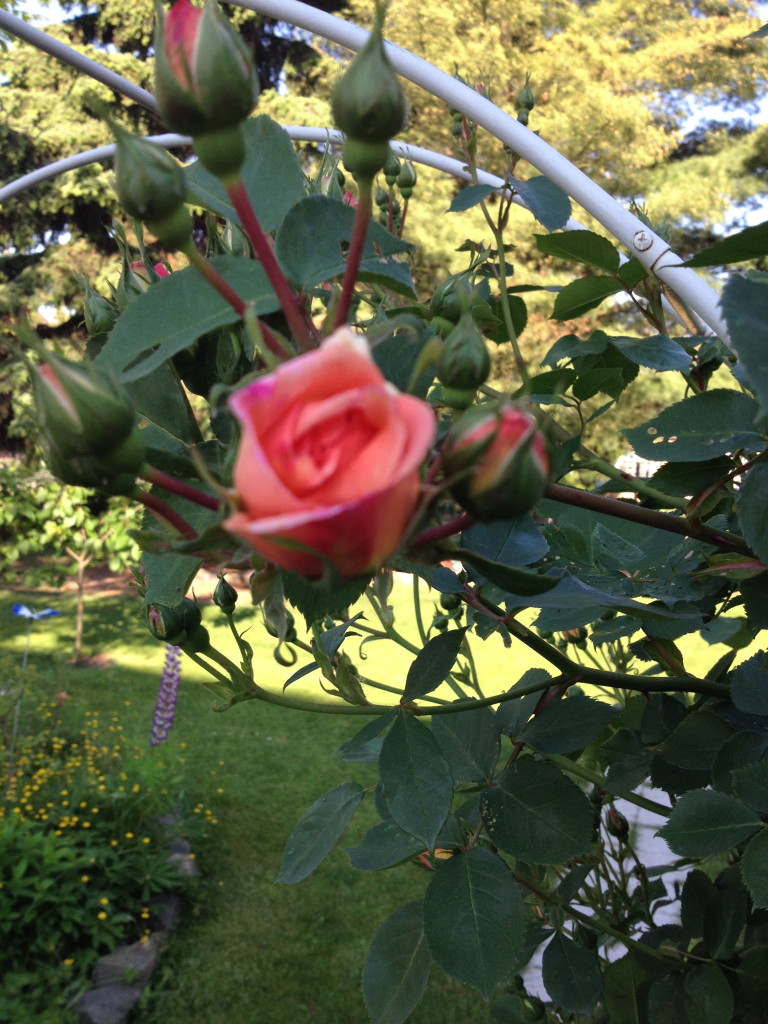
(470, 196)
(318, 830)
(311, 241)
(708, 996)
(474, 919)
(750, 784)
(749, 685)
(578, 297)
(513, 542)
(432, 664)
(417, 781)
(704, 822)
(625, 991)
(751, 503)
(695, 742)
(383, 846)
(698, 428)
(316, 599)
(397, 966)
(748, 244)
(547, 202)
(572, 347)
(176, 311)
(470, 742)
(754, 868)
(658, 352)
(583, 247)
(535, 813)
(571, 974)
(269, 157)
(569, 724)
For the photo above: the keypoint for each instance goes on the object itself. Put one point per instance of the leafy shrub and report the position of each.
(85, 819)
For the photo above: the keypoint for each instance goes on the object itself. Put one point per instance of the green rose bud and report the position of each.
(391, 169)
(225, 596)
(464, 363)
(150, 184)
(369, 105)
(406, 179)
(499, 459)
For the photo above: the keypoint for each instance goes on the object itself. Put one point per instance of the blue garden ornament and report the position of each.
(31, 616)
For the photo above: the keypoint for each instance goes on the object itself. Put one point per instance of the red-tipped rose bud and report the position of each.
(205, 79)
(167, 624)
(464, 363)
(369, 105)
(500, 459)
(81, 409)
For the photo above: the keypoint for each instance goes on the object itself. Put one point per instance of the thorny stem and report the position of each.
(174, 486)
(163, 511)
(301, 327)
(648, 516)
(363, 212)
(417, 610)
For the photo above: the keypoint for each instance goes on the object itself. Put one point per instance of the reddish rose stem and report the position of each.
(355, 254)
(648, 516)
(303, 330)
(174, 486)
(436, 533)
(159, 508)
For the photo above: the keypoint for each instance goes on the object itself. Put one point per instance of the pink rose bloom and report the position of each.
(328, 465)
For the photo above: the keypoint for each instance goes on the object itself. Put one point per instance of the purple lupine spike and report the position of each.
(165, 708)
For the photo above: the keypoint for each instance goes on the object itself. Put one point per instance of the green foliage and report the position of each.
(46, 529)
(84, 826)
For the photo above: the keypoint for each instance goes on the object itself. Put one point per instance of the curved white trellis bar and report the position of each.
(652, 251)
(23, 30)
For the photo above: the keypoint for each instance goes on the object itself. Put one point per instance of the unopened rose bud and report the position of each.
(151, 187)
(616, 824)
(500, 460)
(205, 79)
(525, 101)
(406, 179)
(464, 363)
(81, 409)
(225, 596)
(99, 314)
(391, 169)
(369, 105)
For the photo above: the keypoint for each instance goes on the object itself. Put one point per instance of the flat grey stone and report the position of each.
(109, 1004)
(128, 965)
